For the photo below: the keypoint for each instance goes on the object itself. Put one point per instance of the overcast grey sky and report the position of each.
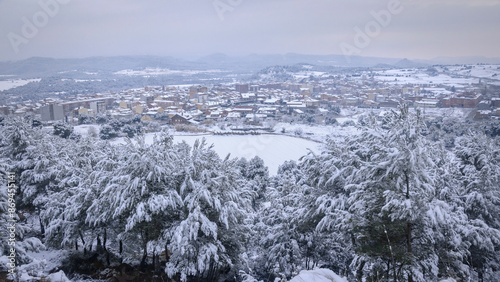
(416, 29)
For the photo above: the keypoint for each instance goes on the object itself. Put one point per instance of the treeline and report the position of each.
(392, 203)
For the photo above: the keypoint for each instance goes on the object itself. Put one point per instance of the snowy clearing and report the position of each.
(9, 84)
(273, 149)
(318, 275)
(85, 129)
(160, 71)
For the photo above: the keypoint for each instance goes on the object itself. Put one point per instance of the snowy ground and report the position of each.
(160, 71)
(86, 129)
(459, 75)
(273, 149)
(318, 275)
(318, 133)
(478, 71)
(50, 258)
(420, 77)
(44, 261)
(9, 84)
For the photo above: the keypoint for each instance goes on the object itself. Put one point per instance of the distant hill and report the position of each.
(461, 60)
(405, 63)
(251, 64)
(46, 67)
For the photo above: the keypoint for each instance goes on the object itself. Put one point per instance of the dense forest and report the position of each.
(406, 199)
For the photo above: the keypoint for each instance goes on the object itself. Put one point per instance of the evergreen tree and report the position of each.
(479, 167)
(66, 211)
(383, 192)
(207, 239)
(278, 233)
(62, 129)
(140, 192)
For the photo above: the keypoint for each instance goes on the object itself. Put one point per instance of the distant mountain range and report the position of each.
(251, 64)
(464, 60)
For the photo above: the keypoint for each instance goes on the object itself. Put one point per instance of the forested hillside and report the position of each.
(405, 200)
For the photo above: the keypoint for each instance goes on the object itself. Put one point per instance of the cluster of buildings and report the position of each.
(253, 102)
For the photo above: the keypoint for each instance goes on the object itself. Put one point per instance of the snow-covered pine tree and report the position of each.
(62, 129)
(479, 173)
(277, 237)
(43, 166)
(66, 210)
(387, 200)
(389, 196)
(140, 191)
(447, 216)
(16, 136)
(208, 238)
(37, 160)
(257, 175)
(328, 210)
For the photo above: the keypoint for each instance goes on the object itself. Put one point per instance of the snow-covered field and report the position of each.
(459, 75)
(306, 74)
(9, 84)
(318, 132)
(273, 149)
(417, 77)
(318, 275)
(482, 71)
(160, 71)
(86, 129)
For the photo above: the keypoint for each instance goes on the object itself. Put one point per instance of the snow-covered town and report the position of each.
(311, 95)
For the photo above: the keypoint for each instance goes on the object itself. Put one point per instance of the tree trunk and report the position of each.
(388, 270)
(408, 237)
(105, 238)
(167, 252)
(144, 260)
(121, 250)
(154, 261)
(145, 254)
(158, 263)
(42, 228)
(83, 243)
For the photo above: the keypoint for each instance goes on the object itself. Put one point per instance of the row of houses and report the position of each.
(241, 100)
